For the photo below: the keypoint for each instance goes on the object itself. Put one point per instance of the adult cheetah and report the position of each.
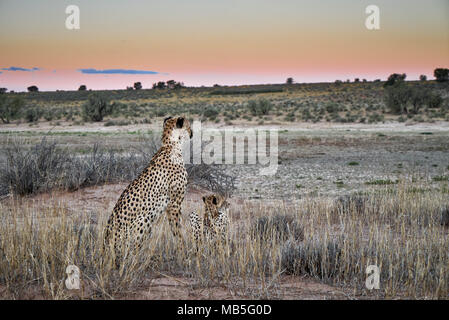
(215, 222)
(159, 188)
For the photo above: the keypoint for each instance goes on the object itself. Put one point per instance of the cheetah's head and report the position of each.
(215, 204)
(176, 130)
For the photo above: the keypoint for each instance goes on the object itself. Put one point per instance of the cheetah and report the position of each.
(215, 223)
(159, 188)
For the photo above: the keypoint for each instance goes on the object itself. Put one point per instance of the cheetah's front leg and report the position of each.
(174, 212)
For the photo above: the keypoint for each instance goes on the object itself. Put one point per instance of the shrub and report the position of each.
(316, 259)
(394, 78)
(279, 227)
(441, 74)
(397, 97)
(45, 166)
(96, 108)
(211, 113)
(33, 89)
(33, 114)
(259, 107)
(10, 108)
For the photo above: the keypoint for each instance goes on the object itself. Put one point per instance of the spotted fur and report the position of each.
(159, 189)
(215, 224)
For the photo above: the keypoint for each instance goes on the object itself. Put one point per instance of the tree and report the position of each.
(179, 85)
(129, 88)
(356, 80)
(3, 90)
(137, 85)
(396, 97)
(393, 78)
(96, 107)
(33, 89)
(423, 77)
(10, 108)
(171, 84)
(159, 85)
(289, 81)
(403, 98)
(441, 74)
(82, 88)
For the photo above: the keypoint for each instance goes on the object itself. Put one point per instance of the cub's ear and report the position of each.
(214, 200)
(180, 122)
(204, 199)
(168, 118)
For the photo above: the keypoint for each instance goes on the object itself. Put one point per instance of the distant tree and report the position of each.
(376, 80)
(159, 85)
(216, 85)
(364, 80)
(441, 74)
(171, 84)
(96, 107)
(289, 81)
(423, 77)
(403, 98)
(393, 78)
(3, 90)
(338, 82)
(33, 89)
(10, 108)
(179, 85)
(396, 97)
(82, 88)
(129, 88)
(137, 85)
(356, 80)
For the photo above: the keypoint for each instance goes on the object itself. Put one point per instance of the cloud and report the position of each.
(116, 71)
(20, 69)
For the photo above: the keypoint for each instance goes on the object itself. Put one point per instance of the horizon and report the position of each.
(226, 43)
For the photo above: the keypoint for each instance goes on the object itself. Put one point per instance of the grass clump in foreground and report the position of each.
(400, 232)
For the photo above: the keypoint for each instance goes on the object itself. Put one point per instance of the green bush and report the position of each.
(96, 108)
(10, 108)
(259, 107)
(33, 114)
(211, 113)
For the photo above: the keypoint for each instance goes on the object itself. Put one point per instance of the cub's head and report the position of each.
(215, 204)
(176, 130)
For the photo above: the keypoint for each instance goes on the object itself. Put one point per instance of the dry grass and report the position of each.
(397, 230)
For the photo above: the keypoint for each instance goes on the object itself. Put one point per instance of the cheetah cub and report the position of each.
(215, 224)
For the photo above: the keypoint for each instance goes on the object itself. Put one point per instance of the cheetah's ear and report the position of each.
(168, 118)
(214, 200)
(180, 122)
(204, 199)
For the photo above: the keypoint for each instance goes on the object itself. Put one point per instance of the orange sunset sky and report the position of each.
(203, 42)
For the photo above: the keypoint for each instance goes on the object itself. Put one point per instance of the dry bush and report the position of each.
(279, 227)
(46, 166)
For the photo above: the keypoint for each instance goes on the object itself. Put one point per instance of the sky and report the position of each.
(226, 42)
